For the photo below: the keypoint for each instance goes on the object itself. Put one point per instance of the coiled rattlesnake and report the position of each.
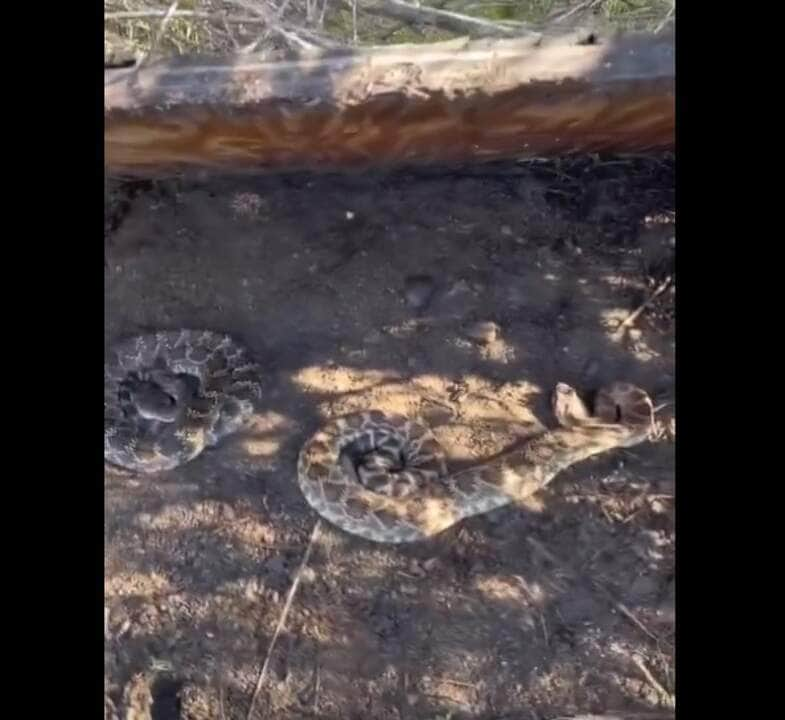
(384, 477)
(170, 395)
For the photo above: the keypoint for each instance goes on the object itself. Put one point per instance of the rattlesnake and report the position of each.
(170, 395)
(384, 477)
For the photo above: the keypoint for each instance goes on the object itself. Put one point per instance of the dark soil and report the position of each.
(458, 297)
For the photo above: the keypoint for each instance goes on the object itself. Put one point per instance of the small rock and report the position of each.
(484, 331)
(419, 290)
(658, 507)
(505, 230)
(308, 575)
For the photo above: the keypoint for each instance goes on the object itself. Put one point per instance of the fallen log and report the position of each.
(443, 103)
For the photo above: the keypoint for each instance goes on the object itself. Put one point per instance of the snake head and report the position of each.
(619, 403)
(624, 403)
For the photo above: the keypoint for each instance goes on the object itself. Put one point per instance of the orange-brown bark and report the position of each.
(449, 102)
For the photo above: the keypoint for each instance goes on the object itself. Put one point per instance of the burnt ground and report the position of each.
(563, 605)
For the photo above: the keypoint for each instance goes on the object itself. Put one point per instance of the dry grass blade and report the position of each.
(444, 19)
(282, 619)
(575, 9)
(192, 14)
(158, 35)
(666, 19)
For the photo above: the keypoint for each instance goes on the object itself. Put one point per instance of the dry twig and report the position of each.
(633, 316)
(666, 696)
(445, 19)
(597, 585)
(158, 35)
(192, 14)
(575, 9)
(282, 619)
(666, 19)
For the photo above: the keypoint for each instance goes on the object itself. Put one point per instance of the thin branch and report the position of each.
(300, 37)
(666, 19)
(321, 16)
(274, 25)
(621, 607)
(633, 316)
(575, 9)
(158, 35)
(253, 46)
(282, 619)
(666, 696)
(194, 14)
(221, 693)
(445, 19)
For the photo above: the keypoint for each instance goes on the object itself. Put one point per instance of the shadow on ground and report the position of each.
(564, 605)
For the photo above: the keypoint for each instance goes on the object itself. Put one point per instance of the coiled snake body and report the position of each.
(170, 395)
(384, 477)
